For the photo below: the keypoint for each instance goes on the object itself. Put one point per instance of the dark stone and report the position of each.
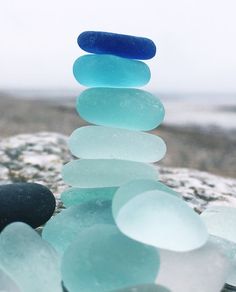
(121, 45)
(31, 203)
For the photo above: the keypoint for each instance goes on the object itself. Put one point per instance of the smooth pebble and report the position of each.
(127, 46)
(110, 71)
(126, 108)
(99, 173)
(97, 142)
(103, 259)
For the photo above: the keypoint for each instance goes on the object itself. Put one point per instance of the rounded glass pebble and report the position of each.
(135, 187)
(61, 230)
(30, 261)
(110, 71)
(204, 269)
(126, 108)
(162, 220)
(76, 196)
(99, 173)
(31, 203)
(96, 142)
(127, 46)
(221, 222)
(103, 259)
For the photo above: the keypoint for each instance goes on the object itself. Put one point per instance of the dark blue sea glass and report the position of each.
(121, 45)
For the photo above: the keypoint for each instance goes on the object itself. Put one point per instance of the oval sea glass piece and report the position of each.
(99, 173)
(30, 261)
(61, 230)
(162, 220)
(103, 259)
(75, 196)
(127, 46)
(96, 142)
(126, 108)
(110, 71)
(221, 222)
(135, 187)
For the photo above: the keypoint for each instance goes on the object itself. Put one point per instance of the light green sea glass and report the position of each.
(30, 261)
(103, 259)
(110, 71)
(61, 230)
(96, 142)
(221, 222)
(126, 108)
(162, 220)
(99, 173)
(135, 187)
(76, 196)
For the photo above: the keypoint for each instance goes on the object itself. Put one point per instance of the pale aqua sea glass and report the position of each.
(132, 109)
(99, 173)
(96, 142)
(221, 222)
(135, 187)
(110, 71)
(162, 220)
(7, 284)
(76, 196)
(103, 259)
(61, 230)
(30, 261)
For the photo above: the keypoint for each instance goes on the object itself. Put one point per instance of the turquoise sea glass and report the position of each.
(162, 220)
(61, 230)
(96, 142)
(103, 259)
(76, 196)
(221, 222)
(110, 71)
(99, 173)
(135, 187)
(126, 108)
(30, 261)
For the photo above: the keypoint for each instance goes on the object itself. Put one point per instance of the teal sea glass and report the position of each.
(126, 108)
(162, 220)
(99, 173)
(110, 71)
(96, 142)
(61, 230)
(30, 261)
(75, 196)
(135, 187)
(103, 259)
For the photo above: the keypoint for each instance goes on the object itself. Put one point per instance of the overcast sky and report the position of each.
(196, 40)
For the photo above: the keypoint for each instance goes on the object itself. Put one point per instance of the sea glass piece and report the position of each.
(99, 173)
(126, 108)
(96, 142)
(7, 284)
(30, 261)
(135, 187)
(76, 196)
(204, 269)
(61, 230)
(110, 71)
(103, 259)
(162, 220)
(145, 288)
(221, 221)
(127, 46)
(229, 249)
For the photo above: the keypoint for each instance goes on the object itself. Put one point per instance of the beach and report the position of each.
(193, 141)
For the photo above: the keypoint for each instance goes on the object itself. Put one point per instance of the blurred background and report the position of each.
(193, 73)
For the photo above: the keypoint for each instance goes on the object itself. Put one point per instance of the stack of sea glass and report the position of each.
(122, 229)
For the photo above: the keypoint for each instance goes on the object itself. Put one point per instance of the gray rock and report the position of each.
(39, 158)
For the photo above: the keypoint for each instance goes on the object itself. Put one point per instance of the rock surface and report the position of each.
(39, 158)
